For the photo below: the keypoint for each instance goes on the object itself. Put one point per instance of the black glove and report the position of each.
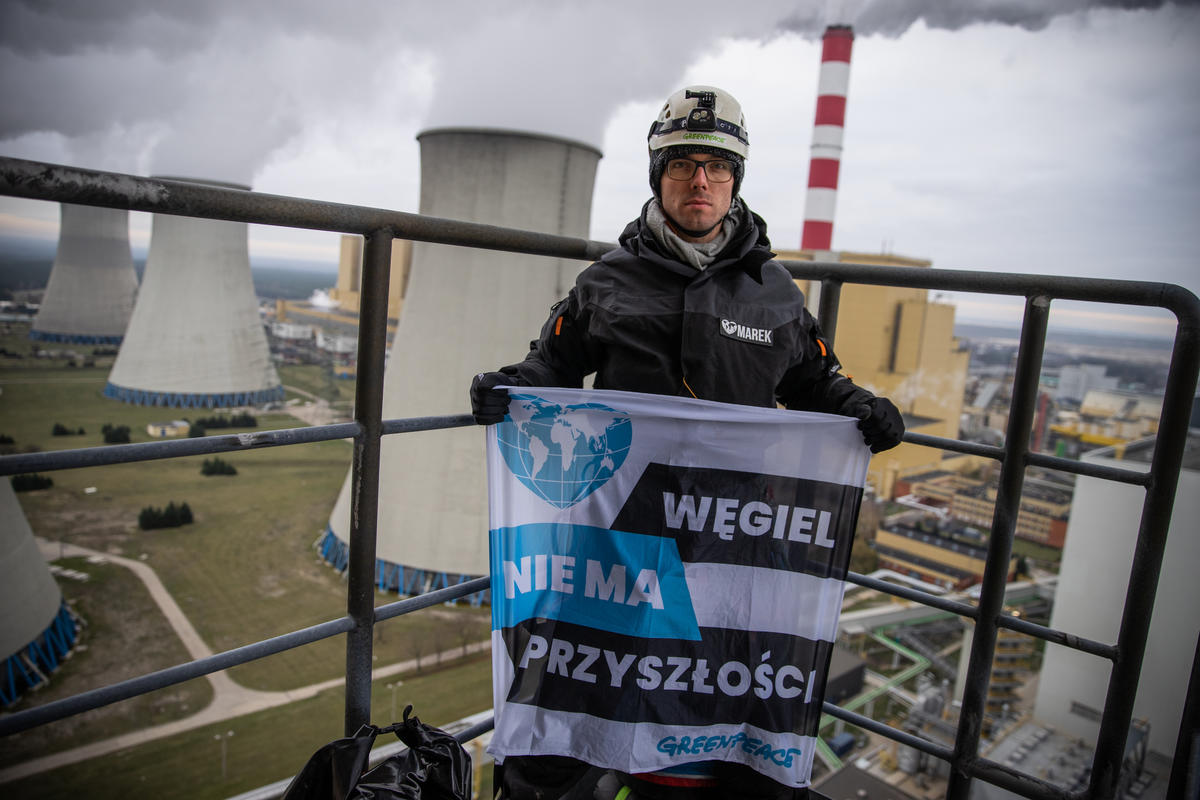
(880, 423)
(488, 404)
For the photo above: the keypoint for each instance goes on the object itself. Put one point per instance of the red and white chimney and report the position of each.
(832, 85)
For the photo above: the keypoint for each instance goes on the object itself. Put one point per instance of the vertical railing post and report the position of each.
(827, 309)
(1004, 524)
(364, 496)
(1165, 465)
(1185, 766)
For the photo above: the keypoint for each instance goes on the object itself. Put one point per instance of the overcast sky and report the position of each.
(1043, 136)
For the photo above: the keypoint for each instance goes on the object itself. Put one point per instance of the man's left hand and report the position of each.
(880, 423)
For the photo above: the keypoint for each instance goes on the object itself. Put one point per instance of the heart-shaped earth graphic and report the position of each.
(563, 454)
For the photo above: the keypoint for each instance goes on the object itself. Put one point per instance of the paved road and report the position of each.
(229, 698)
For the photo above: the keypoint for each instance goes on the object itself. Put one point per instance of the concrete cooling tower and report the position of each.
(36, 628)
(195, 339)
(466, 311)
(93, 284)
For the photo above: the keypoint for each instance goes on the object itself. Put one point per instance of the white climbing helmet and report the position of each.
(700, 115)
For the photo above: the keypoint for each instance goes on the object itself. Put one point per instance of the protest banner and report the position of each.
(667, 575)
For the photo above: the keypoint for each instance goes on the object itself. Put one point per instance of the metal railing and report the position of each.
(48, 182)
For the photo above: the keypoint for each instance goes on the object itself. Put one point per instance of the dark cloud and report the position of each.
(214, 88)
(893, 17)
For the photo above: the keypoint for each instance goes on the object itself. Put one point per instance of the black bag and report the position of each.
(434, 767)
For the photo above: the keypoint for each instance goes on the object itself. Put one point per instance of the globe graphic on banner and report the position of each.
(563, 454)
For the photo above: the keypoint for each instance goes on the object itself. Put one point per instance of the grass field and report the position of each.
(316, 380)
(268, 746)
(244, 571)
(124, 636)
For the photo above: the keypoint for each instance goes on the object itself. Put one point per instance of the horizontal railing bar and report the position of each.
(143, 684)
(1058, 637)
(1019, 782)
(955, 445)
(476, 730)
(866, 723)
(38, 181)
(411, 604)
(1176, 299)
(916, 595)
(1088, 469)
(415, 424)
(149, 451)
(54, 182)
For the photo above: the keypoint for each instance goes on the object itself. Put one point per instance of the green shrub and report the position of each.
(172, 516)
(62, 430)
(217, 466)
(239, 420)
(195, 430)
(115, 434)
(31, 482)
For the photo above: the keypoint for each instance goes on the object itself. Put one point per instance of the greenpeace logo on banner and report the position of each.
(744, 333)
(708, 744)
(563, 454)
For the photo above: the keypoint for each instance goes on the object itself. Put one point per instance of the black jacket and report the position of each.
(736, 332)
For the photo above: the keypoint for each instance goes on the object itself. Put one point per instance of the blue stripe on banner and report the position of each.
(603, 579)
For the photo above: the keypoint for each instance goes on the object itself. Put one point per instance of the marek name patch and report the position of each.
(744, 333)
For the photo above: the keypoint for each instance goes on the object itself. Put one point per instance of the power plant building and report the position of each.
(466, 311)
(93, 285)
(195, 339)
(348, 291)
(1091, 592)
(895, 342)
(37, 630)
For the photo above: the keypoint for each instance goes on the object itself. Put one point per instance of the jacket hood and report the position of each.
(749, 248)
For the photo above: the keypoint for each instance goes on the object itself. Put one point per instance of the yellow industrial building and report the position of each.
(895, 342)
(345, 296)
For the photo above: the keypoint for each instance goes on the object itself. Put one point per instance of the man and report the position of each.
(689, 304)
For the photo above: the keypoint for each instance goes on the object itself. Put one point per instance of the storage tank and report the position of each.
(195, 339)
(92, 284)
(466, 311)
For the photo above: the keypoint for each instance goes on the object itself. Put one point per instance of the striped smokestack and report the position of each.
(832, 86)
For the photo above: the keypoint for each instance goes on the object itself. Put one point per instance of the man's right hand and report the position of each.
(488, 404)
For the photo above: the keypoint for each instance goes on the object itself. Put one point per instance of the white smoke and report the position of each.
(213, 89)
(321, 299)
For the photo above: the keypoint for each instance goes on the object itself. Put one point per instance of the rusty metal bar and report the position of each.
(1004, 523)
(1147, 562)
(827, 311)
(364, 496)
(160, 679)
(1185, 766)
(148, 451)
(38, 181)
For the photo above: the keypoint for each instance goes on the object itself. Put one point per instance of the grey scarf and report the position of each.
(695, 255)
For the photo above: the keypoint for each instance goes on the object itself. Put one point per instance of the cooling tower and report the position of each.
(36, 627)
(466, 311)
(832, 85)
(195, 339)
(92, 285)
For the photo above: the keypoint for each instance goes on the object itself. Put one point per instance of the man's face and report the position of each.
(696, 204)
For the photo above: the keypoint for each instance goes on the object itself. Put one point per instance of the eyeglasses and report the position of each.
(718, 170)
